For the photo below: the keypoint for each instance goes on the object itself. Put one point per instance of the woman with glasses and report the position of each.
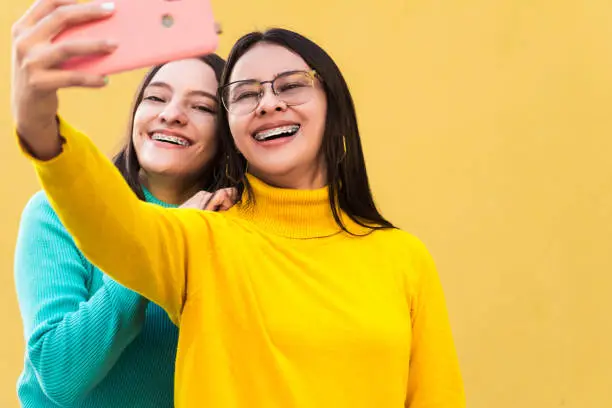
(301, 295)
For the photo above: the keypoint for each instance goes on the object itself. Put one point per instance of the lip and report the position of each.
(273, 125)
(170, 133)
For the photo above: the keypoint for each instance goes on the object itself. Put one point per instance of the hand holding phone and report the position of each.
(147, 33)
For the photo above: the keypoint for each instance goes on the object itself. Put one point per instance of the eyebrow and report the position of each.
(291, 71)
(159, 84)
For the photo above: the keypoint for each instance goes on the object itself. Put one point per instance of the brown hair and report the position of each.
(347, 178)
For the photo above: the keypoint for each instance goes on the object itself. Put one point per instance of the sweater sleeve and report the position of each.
(140, 245)
(434, 377)
(72, 339)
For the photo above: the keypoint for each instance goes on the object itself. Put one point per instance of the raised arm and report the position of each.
(434, 378)
(140, 245)
(72, 339)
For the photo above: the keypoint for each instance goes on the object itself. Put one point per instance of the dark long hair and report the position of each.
(127, 161)
(347, 179)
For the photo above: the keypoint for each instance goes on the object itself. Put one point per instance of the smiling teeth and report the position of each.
(169, 138)
(289, 130)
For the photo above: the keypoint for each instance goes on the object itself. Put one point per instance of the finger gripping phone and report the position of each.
(148, 33)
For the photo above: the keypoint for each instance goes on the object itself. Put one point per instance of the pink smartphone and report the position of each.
(148, 33)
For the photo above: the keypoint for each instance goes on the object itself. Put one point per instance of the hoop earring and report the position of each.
(227, 167)
(344, 150)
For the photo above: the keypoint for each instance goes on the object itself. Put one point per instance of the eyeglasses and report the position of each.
(293, 88)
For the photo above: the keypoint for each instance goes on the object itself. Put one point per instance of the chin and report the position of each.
(163, 169)
(271, 174)
(272, 169)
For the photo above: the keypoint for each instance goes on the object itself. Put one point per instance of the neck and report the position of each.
(169, 189)
(296, 179)
(291, 213)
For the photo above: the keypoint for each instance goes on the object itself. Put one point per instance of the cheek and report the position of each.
(238, 127)
(316, 115)
(208, 140)
(142, 117)
(322, 113)
(321, 118)
(205, 127)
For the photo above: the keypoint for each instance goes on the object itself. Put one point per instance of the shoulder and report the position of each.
(400, 241)
(406, 252)
(38, 208)
(40, 224)
(42, 237)
(38, 200)
(43, 240)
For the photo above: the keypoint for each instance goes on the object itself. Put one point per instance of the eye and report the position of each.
(153, 98)
(290, 86)
(245, 95)
(204, 108)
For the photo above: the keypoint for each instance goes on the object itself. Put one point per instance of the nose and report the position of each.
(173, 114)
(270, 102)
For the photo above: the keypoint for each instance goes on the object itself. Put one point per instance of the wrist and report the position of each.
(42, 140)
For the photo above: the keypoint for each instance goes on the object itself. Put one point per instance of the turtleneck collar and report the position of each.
(300, 214)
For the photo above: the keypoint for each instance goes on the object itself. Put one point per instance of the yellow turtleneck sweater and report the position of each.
(277, 308)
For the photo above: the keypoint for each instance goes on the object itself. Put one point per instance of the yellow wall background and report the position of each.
(487, 127)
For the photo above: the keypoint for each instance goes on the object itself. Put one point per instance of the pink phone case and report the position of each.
(148, 33)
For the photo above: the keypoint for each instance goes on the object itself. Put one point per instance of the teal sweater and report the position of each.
(90, 342)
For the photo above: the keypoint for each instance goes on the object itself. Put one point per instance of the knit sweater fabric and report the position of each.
(277, 306)
(90, 342)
